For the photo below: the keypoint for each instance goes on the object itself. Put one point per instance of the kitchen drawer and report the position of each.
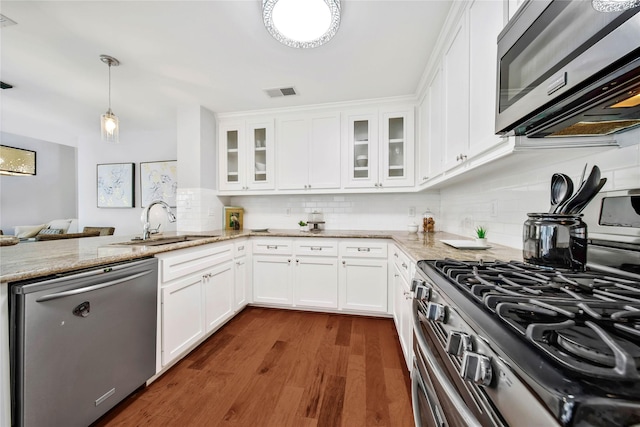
(273, 246)
(176, 264)
(402, 262)
(321, 247)
(363, 248)
(240, 248)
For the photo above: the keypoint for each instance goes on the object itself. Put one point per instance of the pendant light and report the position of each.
(301, 23)
(109, 124)
(614, 5)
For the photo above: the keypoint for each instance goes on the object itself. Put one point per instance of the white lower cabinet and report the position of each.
(272, 279)
(242, 254)
(219, 288)
(303, 273)
(402, 300)
(315, 282)
(182, 316)
(363, 276)
(196, 296)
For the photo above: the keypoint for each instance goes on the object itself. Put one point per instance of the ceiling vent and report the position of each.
(4, 85)
(281, 91)
(6, 22)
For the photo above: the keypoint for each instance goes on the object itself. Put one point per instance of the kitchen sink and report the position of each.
(165, 240)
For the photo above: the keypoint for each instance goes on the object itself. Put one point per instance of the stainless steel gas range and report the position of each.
(515, 344)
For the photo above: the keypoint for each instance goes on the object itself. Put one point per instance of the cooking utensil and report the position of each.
(580, 207)
(588, 186)
(584, 171)
(561, 190)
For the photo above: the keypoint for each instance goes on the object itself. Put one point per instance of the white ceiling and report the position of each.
(211, 53)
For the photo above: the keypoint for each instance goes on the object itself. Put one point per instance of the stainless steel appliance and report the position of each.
(510, 343)
(80, 343)
(565, 69)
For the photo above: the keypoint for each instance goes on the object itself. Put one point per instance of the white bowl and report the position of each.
(362, 160)
(413, 228)
(261, 167)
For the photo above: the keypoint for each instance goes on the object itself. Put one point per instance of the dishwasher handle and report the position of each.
(85, 289)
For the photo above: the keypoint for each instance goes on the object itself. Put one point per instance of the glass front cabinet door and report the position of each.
(397, 149)
(361, 169)
(246, 155)
(260, 155)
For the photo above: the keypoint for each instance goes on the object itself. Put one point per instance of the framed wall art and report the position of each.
(159, 181)
(115, 187)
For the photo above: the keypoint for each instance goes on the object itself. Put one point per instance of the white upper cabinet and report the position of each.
(485, 23)
(431, 130)
(379, 148)
(246, 155)
(457, 112)
(455, 67)
(308, 151)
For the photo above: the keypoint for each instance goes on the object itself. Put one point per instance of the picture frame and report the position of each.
(17, 161)
(114, 185)
(159, 181)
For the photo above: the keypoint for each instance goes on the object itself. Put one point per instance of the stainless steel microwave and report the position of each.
(567, 70)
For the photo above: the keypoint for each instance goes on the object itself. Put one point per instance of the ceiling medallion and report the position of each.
(301, 23)
(614, 5)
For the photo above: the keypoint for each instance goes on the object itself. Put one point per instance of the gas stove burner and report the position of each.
(583, 343)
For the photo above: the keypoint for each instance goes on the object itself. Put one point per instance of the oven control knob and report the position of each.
(436, 312)
(415, 283)
(458, 343)
(422, 292)
(476, 368)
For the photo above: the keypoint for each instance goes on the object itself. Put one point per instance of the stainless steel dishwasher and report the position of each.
(80, 343)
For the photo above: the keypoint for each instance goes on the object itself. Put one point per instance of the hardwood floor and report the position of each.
(279, 368)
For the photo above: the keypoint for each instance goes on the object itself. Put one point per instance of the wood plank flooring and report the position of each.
(280, 368)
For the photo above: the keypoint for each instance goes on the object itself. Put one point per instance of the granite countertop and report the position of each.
(28, 260)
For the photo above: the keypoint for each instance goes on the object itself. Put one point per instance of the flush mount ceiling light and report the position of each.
(301, 23)
(109, 124)
(614, 5)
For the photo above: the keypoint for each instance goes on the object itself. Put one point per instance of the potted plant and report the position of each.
(481, 235)
(303, 226)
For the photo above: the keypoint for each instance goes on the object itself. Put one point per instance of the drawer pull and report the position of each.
(404, 265)
(241, 248)
(272, 246)
(364, 249)
(316, 248)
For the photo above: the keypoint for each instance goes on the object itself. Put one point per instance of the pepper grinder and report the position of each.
(428, 222)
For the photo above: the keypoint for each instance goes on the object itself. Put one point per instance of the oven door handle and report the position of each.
(441, 377)
(417, 383)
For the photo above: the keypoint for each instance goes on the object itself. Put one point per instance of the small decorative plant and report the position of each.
(302, 224)
(481, 232)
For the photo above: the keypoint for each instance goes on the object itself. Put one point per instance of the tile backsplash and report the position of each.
(501, 197)
(340, 212)
(497, 196)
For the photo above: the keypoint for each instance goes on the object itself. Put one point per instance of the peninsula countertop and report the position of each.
(28, 260)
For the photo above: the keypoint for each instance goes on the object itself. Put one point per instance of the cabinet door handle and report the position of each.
(241, 248)
(289, 261)
(344, 263)
(297, 261)
(364, 249)
(395, 254)
(239, 263)
(404, 265)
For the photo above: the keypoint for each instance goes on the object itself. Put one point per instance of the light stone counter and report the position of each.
(28, 260)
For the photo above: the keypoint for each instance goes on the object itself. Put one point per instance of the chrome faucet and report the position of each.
(146, 228)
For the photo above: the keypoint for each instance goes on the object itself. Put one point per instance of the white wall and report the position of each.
(50, 194)
(524, 186)
(135, 148)
(341, 212)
